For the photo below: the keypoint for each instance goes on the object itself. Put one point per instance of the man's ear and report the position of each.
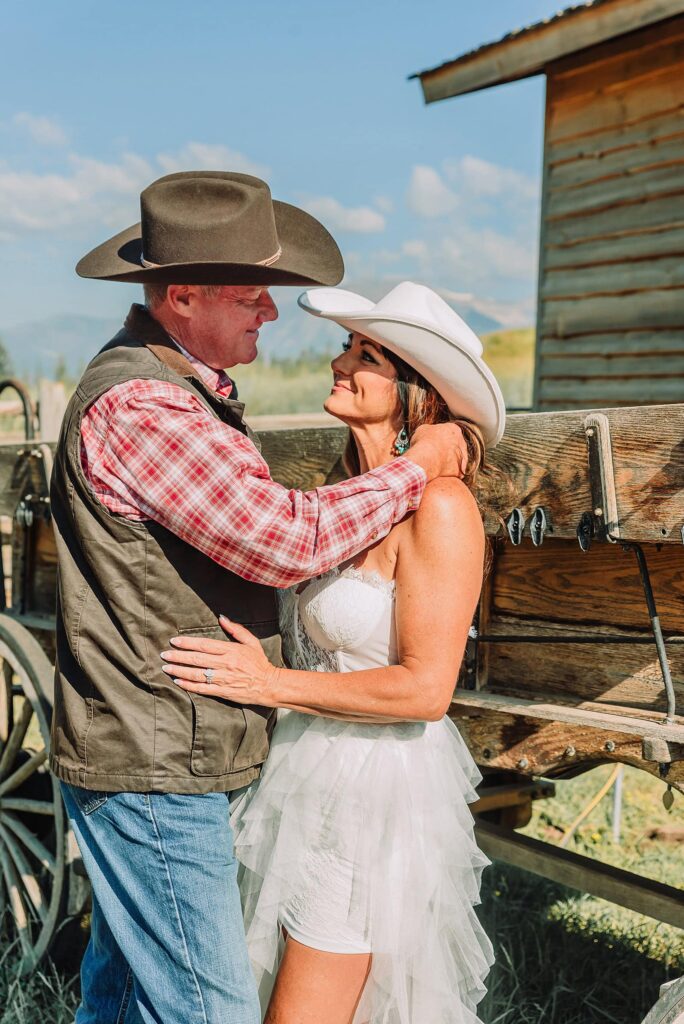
(181, 298)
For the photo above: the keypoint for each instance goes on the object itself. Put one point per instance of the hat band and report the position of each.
(268, 262)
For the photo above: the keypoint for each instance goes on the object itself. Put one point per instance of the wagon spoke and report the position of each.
(23, 772)
(6, 701)
(16, 902)
(16, 738)
(26, 874)
(25, 806)
(31, 843)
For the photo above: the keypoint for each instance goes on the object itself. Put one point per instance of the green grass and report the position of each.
(567, 958)
(562, 957)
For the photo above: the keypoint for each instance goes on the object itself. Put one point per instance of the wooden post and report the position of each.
(52, 402)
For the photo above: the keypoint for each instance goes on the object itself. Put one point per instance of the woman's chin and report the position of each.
(335, 407)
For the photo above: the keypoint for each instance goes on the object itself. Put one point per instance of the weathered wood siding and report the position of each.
(611, 282)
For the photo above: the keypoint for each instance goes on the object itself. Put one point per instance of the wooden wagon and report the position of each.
(567, 666)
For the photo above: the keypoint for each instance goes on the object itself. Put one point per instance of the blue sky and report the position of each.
(97, 99)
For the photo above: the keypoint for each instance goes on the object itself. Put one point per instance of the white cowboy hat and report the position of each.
(423, 330)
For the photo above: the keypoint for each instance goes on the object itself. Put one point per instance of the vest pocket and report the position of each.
(229, 737)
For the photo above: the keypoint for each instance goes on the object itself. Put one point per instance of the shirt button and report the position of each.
(374, 534)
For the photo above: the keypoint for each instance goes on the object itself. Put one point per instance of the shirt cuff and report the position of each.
(406, 480)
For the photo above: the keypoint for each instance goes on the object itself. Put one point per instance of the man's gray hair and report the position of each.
(155, 294)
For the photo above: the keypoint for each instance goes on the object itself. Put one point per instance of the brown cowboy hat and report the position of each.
(217, 227)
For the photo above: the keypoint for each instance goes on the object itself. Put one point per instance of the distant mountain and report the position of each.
(36, 347)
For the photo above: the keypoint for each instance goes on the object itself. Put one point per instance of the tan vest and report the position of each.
(124, 589)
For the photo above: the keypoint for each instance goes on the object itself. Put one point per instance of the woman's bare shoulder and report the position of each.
(447, 503)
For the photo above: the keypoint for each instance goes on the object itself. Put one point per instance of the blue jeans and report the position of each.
(167, 944)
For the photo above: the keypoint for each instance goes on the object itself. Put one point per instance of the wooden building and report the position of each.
(610, 324)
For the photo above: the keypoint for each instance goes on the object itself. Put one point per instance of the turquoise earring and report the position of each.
(402, 443)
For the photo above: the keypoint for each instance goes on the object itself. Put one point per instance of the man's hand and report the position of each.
(439, 449)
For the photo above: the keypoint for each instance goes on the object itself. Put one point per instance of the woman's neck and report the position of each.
(374, 443)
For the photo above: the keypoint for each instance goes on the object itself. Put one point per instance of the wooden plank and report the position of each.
(601, 141)
(627, 889)
(647, 310)
(588, 366)
(587, 717)
(532, 746)
(623, 188)
(557, 583)
(546, 459)
(627, 103)
(617, 343)
(615, 278)
(528, 52)
(636, 159)
(597, 391)
(621, 676)
(618, 62)
(619, 220)
(622, 248)
(304, 459)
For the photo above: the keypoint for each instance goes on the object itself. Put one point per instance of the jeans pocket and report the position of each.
(88, 800)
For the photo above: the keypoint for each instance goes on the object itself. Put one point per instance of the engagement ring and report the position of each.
(209, 675)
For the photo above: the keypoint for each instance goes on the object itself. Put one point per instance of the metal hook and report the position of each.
(515, 524)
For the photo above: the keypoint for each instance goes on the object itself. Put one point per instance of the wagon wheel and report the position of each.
(32, 822)
(670, 1007)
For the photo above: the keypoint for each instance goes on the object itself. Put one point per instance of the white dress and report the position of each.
(358, 838)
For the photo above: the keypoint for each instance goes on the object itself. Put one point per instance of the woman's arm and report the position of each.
(439, 575)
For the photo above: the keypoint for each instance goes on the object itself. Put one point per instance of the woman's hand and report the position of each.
(241, 671)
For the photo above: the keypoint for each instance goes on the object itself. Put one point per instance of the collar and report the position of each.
(216, 380)
(143, 325)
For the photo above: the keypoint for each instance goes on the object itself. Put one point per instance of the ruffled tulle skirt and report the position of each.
(362, 837)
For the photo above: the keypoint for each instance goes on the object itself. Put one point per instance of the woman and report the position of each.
(359, 867)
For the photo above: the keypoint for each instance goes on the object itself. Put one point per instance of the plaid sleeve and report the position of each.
(157, 453)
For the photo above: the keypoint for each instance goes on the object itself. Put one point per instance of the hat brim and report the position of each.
(468, 386)
(309, 256)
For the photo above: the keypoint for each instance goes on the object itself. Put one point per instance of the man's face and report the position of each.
(223, 329)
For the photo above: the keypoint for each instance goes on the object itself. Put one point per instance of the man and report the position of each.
(166, 516)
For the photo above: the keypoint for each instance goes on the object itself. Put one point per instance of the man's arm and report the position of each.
(161, 455)
(440, 556)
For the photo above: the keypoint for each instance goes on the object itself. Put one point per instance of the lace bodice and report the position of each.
(341, 621)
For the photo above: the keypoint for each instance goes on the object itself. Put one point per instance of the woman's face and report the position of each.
(364, 385)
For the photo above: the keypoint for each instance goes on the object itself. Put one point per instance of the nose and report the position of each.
(338, 364)
(268, 309)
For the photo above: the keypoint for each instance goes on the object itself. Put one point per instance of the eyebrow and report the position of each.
(372, 344)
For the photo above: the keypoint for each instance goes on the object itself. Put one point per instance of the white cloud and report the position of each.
(428, 194)
(93, 191)
(198, 155)
(336, 217)
(384, 203)
(44, 130)
(481, 178)
(415, 247)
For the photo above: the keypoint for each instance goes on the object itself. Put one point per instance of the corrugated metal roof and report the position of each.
(516, 33)
(532, 50)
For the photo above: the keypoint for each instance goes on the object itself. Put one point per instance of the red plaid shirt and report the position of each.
(151, 450)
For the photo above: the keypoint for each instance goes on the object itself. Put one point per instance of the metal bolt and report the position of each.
(569, 751)
(598, 511)
(610, 746)
(590, 432)
(523, 763)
